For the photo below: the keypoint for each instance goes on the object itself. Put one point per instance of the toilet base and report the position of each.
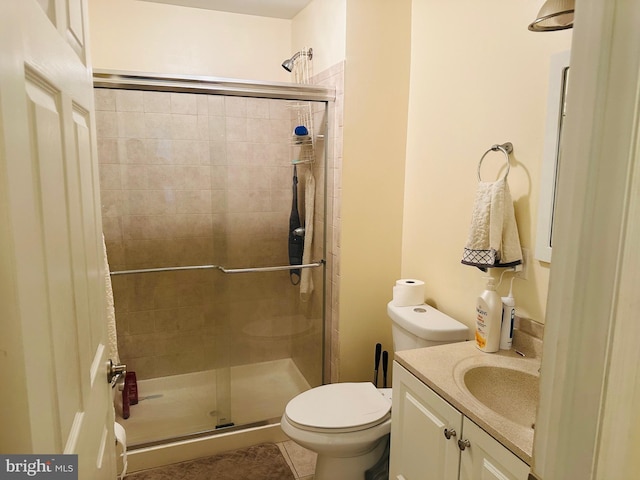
(349, 468)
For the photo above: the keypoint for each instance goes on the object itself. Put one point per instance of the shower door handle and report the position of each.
(115, 371)
(319, 263)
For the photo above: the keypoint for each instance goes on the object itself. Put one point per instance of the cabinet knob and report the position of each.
(449, 433)
(462, 444)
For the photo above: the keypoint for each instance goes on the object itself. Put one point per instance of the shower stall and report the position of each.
(198, 179)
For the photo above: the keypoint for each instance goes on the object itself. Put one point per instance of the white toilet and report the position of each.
(347, 424)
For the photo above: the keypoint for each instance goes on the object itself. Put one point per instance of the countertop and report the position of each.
(441, 368)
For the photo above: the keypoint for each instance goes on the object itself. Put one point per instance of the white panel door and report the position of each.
(419, 448)
(52, 302)
(486, 459)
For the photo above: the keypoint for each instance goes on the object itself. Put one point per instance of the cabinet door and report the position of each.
(486, 459)
(419, 447)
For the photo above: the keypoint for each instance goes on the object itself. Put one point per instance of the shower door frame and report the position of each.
(128, 80)
(210, 85)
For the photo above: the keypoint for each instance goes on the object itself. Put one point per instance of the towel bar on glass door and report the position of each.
(505, 148)
(319, 263)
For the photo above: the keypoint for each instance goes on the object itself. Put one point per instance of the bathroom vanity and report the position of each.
(459, 413)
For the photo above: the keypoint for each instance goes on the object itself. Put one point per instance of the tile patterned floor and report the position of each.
(301, 460)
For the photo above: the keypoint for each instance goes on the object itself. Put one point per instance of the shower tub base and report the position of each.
(175, 418)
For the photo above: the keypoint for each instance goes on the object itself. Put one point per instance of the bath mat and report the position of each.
(260, 462)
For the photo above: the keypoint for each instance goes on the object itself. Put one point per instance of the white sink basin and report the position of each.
(505, 386)
(510, 393)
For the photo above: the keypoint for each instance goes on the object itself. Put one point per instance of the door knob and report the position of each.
(462, 444)
(114, 371)
(449, 433)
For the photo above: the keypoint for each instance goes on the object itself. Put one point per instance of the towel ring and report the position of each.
(505, 148)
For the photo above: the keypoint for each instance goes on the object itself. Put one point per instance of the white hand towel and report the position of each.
(493, 235)
(306, 282)
(110, 313)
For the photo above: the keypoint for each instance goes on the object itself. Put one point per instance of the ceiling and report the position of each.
(263, 8)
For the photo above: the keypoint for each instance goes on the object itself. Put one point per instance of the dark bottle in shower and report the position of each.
(125, 401)
(131, 383)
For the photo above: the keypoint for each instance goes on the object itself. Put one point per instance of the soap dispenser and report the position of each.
(508, 317)
(488, 318)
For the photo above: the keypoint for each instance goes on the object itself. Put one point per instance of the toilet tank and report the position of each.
(419, 326)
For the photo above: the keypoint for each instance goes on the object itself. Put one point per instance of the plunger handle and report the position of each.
(385, 366)
(377, 363)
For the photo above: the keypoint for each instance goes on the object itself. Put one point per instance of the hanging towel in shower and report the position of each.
(493, 235)
(112, 336)
(306, 280)
(296, 235)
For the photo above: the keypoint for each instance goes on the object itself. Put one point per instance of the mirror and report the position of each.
(556, 110)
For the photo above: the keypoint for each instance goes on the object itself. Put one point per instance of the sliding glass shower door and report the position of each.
(197, 193)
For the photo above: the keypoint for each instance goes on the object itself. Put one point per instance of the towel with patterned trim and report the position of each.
(493, 236)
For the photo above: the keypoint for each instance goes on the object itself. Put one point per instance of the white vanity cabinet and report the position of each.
(431, 440)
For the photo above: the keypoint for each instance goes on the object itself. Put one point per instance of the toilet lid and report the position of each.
(339, 406)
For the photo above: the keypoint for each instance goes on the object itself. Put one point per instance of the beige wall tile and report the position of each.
(258, 107)
(236, 129)
(129, 101)
(157, 125)
(218, 153)
(134, 177)
(237, 153)
(235, 107)
(193, 202)
(193, 177)
(258, 130)
(141, 322)
(146, 227)
(131, 124)
(156, 102)
(108, 150)
(132, 150)
(279, 109)
(184, 103)
(202, 104)
(184, 127)
(105, 99)
(159, 151)
(217, 128)
(216, 105)
(161, 177)
(110, 176)
(150, 202)
(106, 124)
(249, 201)
(114, 203)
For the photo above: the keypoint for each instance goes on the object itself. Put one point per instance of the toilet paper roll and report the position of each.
(407, 292)
(121, 437)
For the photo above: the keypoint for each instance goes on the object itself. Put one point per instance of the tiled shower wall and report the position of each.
(194, 179)
(333, 77)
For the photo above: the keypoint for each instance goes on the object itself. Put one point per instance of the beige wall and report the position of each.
(477, 79)
(322, 26)
(375, 122)
(152, 37)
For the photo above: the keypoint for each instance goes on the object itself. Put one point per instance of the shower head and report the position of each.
(288, 63)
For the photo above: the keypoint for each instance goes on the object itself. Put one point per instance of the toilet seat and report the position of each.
(338, 408)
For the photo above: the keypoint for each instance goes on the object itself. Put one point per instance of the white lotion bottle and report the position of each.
(488, 318)
(508, 317)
